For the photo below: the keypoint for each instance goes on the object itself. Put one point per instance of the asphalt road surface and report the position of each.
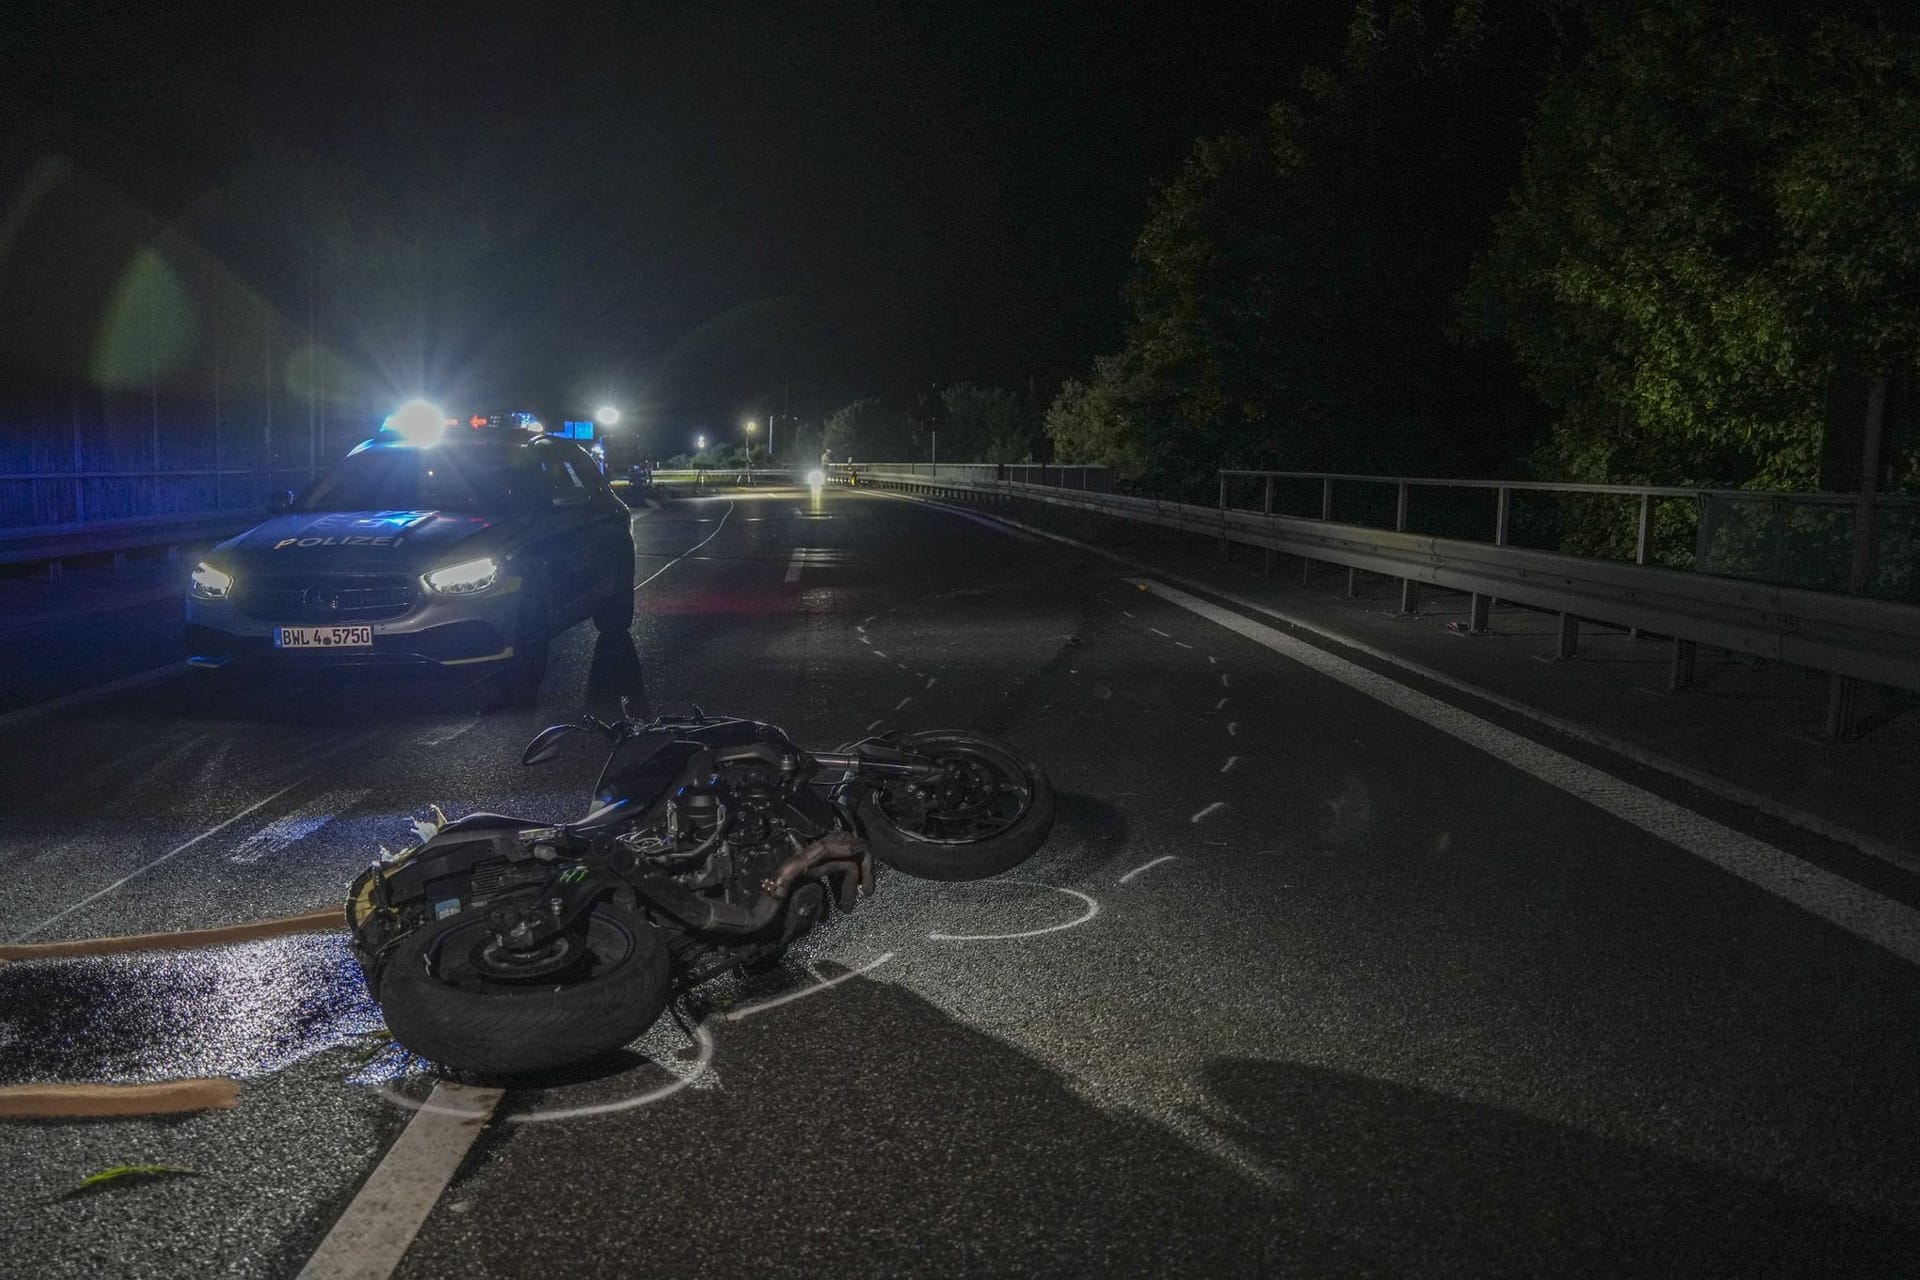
(1321, 973)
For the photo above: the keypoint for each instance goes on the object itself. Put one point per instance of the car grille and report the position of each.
(335, 598)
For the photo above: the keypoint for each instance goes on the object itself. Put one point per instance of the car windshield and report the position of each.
(414, 480)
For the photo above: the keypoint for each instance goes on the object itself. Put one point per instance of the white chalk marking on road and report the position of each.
(748, 1011)
(865, 640)
(296, 826)
(932, 681)
(441, 735)
(1183, 644)
(902, 704)
(1127, 612)
(876, 653)
(901, 665)
(1157, 631)
(1233, 728)
(875, 725)
(1226, 681)
(170, 854)
(1145, 866)
(1093, 909)
(1890, 925)
(1220, 705)
(690, 550)
(1228, 766)
(1215, 661)
(869, 618)
(1209, 811)
(793, 565)
(861, 629)
(372, 1236)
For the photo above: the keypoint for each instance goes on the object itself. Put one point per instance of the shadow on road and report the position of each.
(1440, 1186)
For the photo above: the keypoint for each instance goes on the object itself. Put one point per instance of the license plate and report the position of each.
(323, 638)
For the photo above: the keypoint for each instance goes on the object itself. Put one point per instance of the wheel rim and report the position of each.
(468, 956)
(981, 794)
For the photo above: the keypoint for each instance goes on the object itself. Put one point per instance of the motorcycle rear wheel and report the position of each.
(444, 1000)
(994, 815)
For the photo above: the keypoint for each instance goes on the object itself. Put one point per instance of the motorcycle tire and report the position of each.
(440, 1002)
(936, 845)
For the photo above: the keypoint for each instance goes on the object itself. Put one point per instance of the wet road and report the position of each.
(1315, 978)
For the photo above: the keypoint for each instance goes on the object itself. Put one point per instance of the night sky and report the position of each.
(698, 211)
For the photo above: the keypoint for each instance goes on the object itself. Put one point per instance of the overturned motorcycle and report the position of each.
(507, 945)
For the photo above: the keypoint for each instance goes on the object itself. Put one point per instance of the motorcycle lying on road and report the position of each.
(506, 945)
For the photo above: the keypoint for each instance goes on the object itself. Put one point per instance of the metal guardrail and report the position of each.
(1877, 641)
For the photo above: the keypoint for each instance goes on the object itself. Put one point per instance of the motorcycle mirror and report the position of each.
(546, 744)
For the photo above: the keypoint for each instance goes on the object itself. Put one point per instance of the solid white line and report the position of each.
(690, 550)
(1147, 866)
(1853, 907)
(1093, 909)
(80, 697)
(1209, 811)
(372, 1236)
(1873, 846)
(749, 1010)
(1228, 766)
(174, 852)
(296, 826)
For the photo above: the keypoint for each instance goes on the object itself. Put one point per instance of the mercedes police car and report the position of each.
(461, 544)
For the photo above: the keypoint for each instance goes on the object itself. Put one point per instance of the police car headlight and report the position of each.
(210, 583)
(465, 578)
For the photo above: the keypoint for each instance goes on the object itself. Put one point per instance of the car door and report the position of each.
(566, 535)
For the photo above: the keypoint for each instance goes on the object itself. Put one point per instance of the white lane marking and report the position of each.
(690, 550)
(793, 565)
(1228, 766)
(749, 1010)
(1093, 909)
(170, 854)
(1853, 907)
(1209, 811)
(372, 1236)
(296, 826)
(1145, 866)
(441, 735)
(901, 705)
(1220, 705)
(1233, 728)
(93, 693)
(875, 725)
(1157, 631)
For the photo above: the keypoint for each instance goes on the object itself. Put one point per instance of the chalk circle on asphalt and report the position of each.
(683, 1074)
(1092, 909)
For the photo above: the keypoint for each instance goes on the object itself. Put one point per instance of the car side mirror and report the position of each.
(546, 744)
(280, 501)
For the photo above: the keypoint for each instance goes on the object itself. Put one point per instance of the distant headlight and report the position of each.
(210, 583)
(816, 477)
(465, 578)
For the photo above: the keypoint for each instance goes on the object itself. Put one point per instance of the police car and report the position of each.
(462, 544)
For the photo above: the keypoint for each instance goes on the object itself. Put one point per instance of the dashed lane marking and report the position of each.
(1890, 925)
(441, 735)
(372, 1236)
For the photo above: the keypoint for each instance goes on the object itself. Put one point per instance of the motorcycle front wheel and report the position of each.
(987, 813)
(452, 996)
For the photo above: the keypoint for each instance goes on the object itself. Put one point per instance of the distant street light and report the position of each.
(700, 442)
(607, 416)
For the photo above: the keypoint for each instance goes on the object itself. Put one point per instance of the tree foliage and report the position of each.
(1294, 281)
(983, 424)
(1718, 206)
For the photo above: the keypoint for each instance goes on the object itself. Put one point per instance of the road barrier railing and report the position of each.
(1854, 637)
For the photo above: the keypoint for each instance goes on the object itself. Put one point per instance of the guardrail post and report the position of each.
(1266, 508)
(1409, 589)
(1477, 615)
(1224, 553)
(1680, 673)
(1641, 545)
(1567, 639)
(1353, 582)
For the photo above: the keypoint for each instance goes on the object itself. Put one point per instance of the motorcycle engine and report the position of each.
(722, 837)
